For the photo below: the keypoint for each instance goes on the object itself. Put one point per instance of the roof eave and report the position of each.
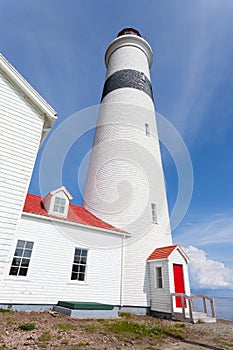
(126, 234)
(157, 259)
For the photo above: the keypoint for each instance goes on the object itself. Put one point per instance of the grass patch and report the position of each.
(137, 329)
(65, 326)
(45, 336)
(90, 329)
(27, 326)
(145, 329)
(4, 311)
(64, 342)
(125, 315)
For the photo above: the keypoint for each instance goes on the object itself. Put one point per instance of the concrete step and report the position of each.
(197, 317)
(202, 317)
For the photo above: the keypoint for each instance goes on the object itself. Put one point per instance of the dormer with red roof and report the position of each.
(56, 202)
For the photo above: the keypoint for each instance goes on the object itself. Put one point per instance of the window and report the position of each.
(147, 129)
(59, 205)
(79, 265)
(159, 277)
(154, 212)
(21, 259)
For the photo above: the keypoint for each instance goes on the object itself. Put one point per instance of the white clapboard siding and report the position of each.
(160, 297)
(136, 271)
(20, 135)
(49, 273)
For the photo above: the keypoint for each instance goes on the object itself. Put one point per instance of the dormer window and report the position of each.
(57, 202)
(59, 205)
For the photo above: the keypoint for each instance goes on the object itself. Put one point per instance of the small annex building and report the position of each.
(169, 274)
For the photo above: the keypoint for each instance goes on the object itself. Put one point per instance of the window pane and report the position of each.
(16, 261)
(62, 202)
(84, 252)
(55, 208)
(18, 252)
(20, 244)
(61, 209)
(81, 277)
(82, 269)
(23, 271)
(77, 259)
(14, 270)
(77, 251)
(27, 253)
(75, 268)
(83, 260)
(57, 200)
(29, 245)
(25, 263)
(74, 276)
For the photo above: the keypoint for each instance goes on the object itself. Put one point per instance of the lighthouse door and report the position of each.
(179, 283)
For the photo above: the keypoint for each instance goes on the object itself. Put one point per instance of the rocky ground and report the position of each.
(48, 330)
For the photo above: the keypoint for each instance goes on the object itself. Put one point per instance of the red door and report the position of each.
(179, 283)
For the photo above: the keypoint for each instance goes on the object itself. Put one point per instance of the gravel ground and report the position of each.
(213, 336)
(55, 331)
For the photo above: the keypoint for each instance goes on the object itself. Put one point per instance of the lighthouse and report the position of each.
(125, 184)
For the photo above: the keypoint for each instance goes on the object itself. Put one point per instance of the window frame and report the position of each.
(158, 277)
(20, 258)
(79, 264)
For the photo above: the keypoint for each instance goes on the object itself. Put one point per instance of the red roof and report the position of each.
(162, 253)
(33, 204)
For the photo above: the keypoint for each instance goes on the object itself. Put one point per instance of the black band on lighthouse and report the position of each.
(128, 78)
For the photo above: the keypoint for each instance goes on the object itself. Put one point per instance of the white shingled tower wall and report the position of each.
(125, 176)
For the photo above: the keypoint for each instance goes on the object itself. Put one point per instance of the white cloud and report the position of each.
(206, 273)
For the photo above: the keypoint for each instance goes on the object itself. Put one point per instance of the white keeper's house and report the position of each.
(116, 249)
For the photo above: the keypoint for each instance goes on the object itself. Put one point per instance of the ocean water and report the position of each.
(224, 308)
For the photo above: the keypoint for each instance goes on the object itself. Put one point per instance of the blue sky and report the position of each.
(59, 46)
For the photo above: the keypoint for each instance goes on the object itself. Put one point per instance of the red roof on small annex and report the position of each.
(78, 214)
(162, 253)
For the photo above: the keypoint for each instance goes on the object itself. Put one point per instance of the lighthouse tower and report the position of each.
(125, 183)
